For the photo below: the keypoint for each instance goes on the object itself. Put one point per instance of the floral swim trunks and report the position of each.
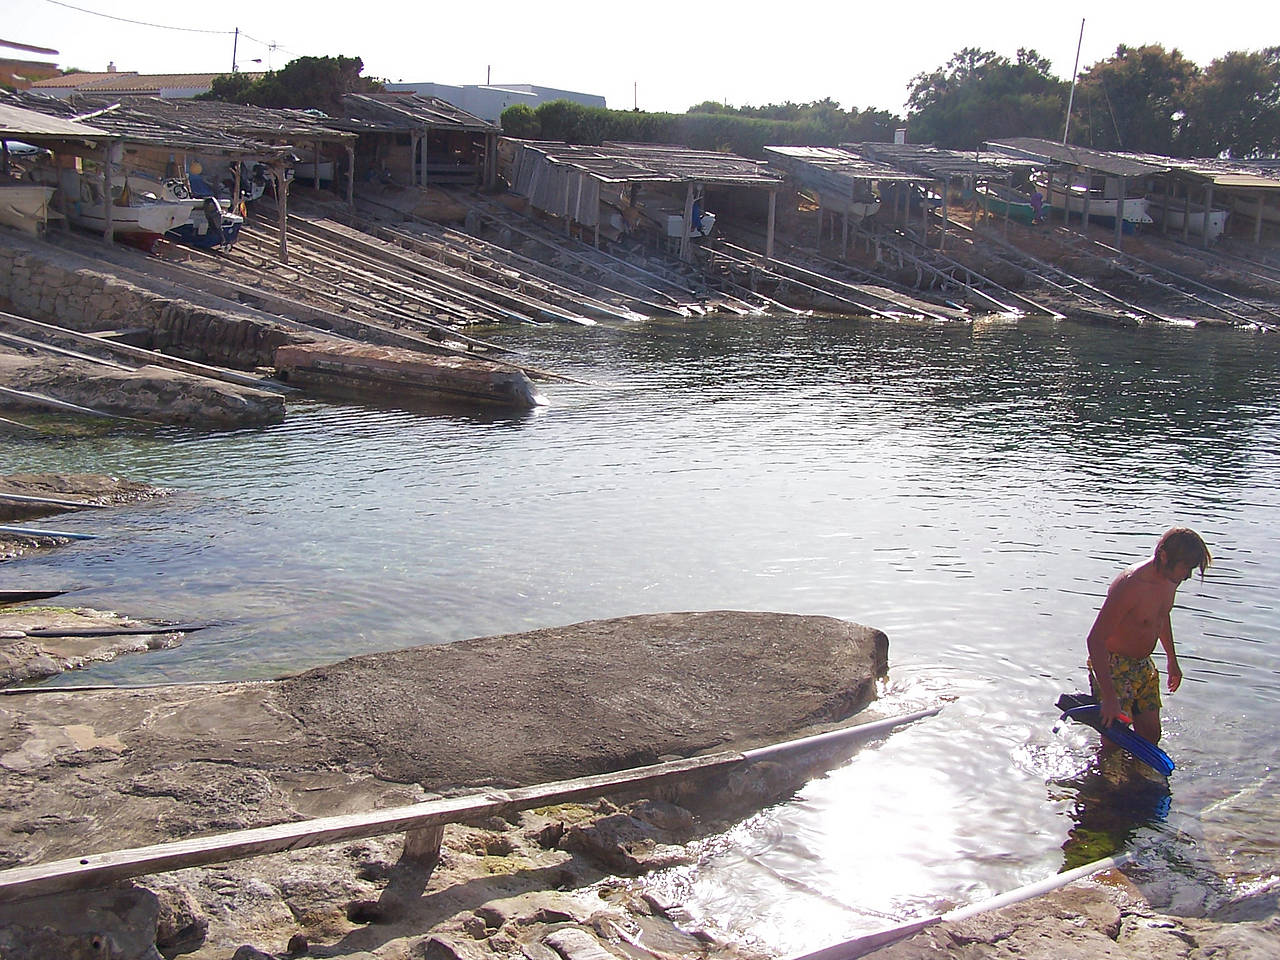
(1136, 682)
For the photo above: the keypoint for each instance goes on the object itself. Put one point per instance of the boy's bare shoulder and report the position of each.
(1131, 579)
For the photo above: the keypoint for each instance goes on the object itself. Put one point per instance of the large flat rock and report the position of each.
(99, 770)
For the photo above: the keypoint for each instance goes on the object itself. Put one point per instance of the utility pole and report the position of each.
(234, 44)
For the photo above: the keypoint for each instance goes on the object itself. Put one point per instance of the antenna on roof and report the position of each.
(1074, 71)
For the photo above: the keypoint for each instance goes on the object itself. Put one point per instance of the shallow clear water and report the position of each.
(968, 489)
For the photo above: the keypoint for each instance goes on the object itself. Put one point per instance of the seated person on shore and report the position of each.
(1133, 618)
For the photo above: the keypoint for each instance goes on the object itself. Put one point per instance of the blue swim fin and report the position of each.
(1084, 708)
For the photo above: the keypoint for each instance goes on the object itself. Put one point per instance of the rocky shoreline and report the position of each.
(100, 770)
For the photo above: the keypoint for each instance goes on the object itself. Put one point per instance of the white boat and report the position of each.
(1194, 220)
(25, 205)
(1249, 207)
(132, 211)
(1103, 193)
(307, 168)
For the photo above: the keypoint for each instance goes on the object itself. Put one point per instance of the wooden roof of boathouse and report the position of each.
(826, 167)
(649, 163)
(31, 126)
(229, 129)
(1099, 161)
(936, 163)
(397, 112)
(1231, 175)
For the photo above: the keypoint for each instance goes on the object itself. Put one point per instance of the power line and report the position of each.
(164, 26)
(139, 23)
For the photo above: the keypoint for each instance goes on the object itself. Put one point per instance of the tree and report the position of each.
(1136, 100)
(1234, 106)
(829, 122)
(979, 95)
(306, 83)
(520, 121)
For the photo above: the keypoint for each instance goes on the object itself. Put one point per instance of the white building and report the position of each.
(489, 100)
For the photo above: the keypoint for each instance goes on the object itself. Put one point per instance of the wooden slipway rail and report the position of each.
(423, 823)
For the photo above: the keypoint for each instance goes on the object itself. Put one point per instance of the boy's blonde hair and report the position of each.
(1183, 545)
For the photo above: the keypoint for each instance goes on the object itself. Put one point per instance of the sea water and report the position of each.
(969, 489)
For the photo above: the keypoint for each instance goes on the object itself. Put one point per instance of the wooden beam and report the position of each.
(686, 222)
(1084, 214)
(351, 174)
(1208, 208)
(108, 227)
(420, 820)
(1168, 202)
(1120, 198)
(773, 218)
(945, 184)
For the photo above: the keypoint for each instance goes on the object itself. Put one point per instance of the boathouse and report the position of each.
(657, 192)
(1088, 178)
(176, 139)
(67, 139)
(1231, 192)
(847, 188)
(413, 140)
(972, 174)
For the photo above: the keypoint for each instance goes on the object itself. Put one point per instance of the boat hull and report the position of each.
(1130, 209)
(153, 218)
(1175, 216)
(196, 233)
(25, 206)
(1001, 205)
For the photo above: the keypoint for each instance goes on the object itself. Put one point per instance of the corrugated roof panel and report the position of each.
(18, 123)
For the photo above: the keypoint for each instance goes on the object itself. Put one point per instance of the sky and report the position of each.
(665, 55)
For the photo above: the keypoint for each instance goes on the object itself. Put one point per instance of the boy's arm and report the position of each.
(1172, 668)
(1109, 617)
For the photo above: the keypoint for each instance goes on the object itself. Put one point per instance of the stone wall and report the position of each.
(47, 286)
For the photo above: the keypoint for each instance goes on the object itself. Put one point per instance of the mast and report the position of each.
(1074, 72)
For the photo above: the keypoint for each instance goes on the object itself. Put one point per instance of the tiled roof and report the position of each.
(130, 81)
(73, 80)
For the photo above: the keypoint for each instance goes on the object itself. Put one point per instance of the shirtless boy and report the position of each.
(1133, 617)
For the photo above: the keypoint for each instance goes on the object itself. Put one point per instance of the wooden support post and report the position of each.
(1124, 191)
(924, 215)
(687, 222)
(773, 204)
(1208, 208)
(64, 203)
(844, 234)
(426, 152)
(282, 207)
(1257, 221)
(565, 212)
(422, 846)
(315, 170)
(1084, 212)
(235, 184)
(108, 227)
(1186, 215)
(351, 174)
(1168, 202)
(490, 161)
(1009, 184)
(417, 159)
(945, 184)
